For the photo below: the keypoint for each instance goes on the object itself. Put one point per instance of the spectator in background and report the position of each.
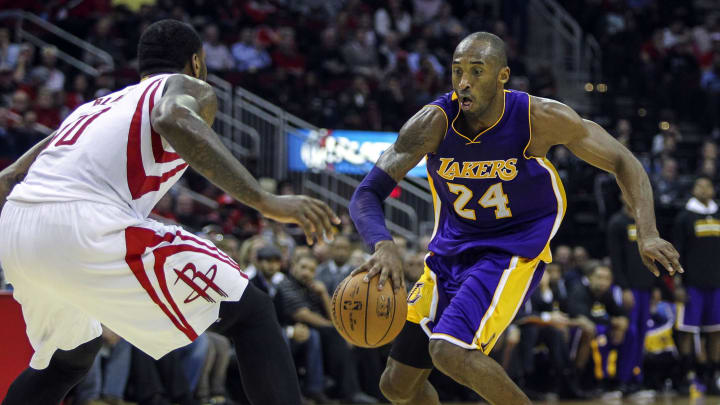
(46, 108)
(334, 270)
(666, 185)
(414, 268)
(660, 354)
(102, 36)
(675, 34)
(594, 305)
(217, 54)
(636, 283)
(306, 300)
(266, 274)
(286, 56)
(249, 53)
(421, 53)
(360, 54)
(159, 382)
(542, 322)
(425, 11)
(79, 93)
(211, 385)
(56, 78)
(9, 51)
(623, 132)
(698, 242)
(393, 19)
(327, 59)
(19, 105)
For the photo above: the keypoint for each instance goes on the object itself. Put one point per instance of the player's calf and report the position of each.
(477, 371)
(403, 384)
(50, 385)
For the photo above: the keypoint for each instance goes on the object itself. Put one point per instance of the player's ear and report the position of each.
(504, 75)
(196, 66)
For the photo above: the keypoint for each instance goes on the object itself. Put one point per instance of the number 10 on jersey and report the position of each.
(494, 197)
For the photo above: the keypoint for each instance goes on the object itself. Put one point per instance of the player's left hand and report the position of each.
(313, 215)
(654, 249)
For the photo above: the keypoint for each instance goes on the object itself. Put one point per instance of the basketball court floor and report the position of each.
(660, 400)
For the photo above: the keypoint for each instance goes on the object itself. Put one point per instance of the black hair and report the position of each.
(702, 177)
(269, 253)
(497, 45)
(167, 46)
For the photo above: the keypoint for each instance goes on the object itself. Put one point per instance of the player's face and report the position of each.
(304, 270)
(477, 77)
(703, 190)
(600, 280)
(269, 267)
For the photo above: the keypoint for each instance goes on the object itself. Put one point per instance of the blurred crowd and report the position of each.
(370, 65)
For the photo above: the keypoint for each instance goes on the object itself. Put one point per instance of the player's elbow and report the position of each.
(168, 117)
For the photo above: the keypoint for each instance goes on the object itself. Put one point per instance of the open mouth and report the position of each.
(465, 102)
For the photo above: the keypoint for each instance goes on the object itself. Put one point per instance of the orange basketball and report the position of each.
(366, 316)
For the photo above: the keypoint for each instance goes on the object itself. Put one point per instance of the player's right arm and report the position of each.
(184, 116)
(16, 172)
(420, 135)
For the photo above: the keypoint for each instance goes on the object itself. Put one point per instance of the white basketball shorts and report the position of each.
(76, 265)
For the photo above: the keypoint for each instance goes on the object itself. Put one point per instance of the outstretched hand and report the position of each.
(313, 216)
(386, 261)
(656, 249)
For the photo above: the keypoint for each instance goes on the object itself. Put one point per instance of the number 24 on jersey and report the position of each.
(494, 197)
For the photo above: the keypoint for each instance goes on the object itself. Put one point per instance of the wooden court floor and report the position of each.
(660, 400)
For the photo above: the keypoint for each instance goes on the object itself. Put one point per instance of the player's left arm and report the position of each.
(555, 123)
(16, 172)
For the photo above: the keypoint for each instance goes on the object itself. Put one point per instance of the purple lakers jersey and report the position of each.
(487, 192)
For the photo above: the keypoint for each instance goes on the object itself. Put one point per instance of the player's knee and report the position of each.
(441, 353)
(396, 389)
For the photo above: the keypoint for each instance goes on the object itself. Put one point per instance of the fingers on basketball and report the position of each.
(366, 316)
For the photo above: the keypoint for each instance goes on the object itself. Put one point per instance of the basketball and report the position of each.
(366, 316)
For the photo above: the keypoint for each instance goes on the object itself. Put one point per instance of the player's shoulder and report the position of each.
(445, 99)
(553, 121)
(183, 84)
(546, 109)
(429, 124)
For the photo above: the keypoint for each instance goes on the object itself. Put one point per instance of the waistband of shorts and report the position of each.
(29, 204)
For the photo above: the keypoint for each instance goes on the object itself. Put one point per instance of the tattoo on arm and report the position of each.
(420, 135)
(183, 118)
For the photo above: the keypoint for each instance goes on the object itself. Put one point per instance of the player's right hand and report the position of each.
(386, 261)
(313, 216)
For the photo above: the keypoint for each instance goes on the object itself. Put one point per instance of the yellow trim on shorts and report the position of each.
(507, 299)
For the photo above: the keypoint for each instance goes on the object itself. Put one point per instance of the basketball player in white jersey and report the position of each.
(76, 244)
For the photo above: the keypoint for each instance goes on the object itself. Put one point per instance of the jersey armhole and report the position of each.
(447, 121)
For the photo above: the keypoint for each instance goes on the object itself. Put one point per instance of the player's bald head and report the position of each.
(483, 45)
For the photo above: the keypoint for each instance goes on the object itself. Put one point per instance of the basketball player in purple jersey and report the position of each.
(498, 203)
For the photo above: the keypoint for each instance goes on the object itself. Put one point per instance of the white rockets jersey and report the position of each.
(107, 152)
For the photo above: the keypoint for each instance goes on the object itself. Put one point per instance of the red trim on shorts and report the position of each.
(139, 182)
(138, 240)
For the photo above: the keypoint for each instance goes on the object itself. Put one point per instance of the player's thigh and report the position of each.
(487, 301)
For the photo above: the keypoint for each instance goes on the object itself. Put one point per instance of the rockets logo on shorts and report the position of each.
(190, 275)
